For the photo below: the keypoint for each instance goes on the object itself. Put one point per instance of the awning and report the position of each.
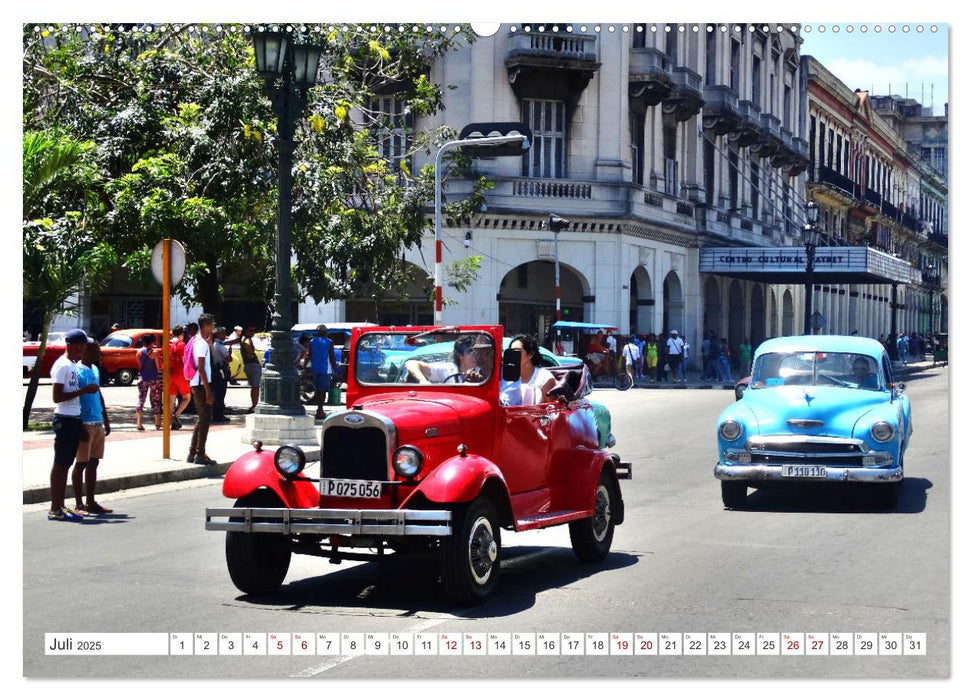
(787, 265)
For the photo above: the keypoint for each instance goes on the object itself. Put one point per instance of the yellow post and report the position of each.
(166, 294)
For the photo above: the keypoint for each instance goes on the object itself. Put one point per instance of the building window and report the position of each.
(754, 192)
(735, 65)
(711, 44)
(639, 40)
(669, 135)
(733, 180)
(547, 155)
(787, 107)
(392, 132)
(839, 153)
(757, 80)
(671, 45)
(637, 147)
(709, 158)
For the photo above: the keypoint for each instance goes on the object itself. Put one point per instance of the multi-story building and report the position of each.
(874, 190)
(654, 141)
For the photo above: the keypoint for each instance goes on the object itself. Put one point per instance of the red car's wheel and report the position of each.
(469, 557)
(591, 538)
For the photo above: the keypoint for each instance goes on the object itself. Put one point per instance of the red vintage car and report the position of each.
(439, 467)
(119, 351)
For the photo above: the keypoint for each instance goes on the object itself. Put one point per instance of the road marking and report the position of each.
(334, 663)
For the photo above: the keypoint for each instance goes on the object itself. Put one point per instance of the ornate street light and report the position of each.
(490, 139)
(289, 71)
(811, 238)
(557, 224)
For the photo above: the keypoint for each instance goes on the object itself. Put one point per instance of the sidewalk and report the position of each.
(134, 458)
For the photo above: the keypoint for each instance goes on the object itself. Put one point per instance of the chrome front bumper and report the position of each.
(316, 521)
(769, 472)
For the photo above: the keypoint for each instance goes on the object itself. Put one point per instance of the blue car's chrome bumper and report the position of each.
(805, 472)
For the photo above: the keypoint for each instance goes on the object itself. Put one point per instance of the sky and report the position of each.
(911, 63)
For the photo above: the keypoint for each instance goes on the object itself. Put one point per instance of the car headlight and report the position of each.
(289, 460)
(730, 430)
(881, 431)
(407, 461)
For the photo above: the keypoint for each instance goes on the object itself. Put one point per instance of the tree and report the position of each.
(59, 252)
(187, 139)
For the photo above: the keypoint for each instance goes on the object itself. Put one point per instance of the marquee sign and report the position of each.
(833, 265)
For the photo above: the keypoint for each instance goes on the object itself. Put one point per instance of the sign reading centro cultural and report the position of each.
(832, 265)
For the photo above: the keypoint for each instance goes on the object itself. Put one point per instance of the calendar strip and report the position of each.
(349, 644)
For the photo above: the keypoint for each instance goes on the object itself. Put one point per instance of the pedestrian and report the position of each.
(201, 386)
(95, 428)
(705, 359)
(323, 365)
(231, 340)
(640, 342)
(683, 367)
(149, 383)
(914, 349)
(675, 348)
(714, 352)
(902, 348)
(724, 362)
(631, 356)
(612, 349)
(220, 375)
(651, 357)
(745, 357)
(251, 365)
(67, 420)
(179, 394)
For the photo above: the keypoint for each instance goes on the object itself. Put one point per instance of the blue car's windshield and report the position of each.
(816, 369)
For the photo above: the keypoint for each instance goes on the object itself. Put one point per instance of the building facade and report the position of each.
(874, 190)
(659, 143)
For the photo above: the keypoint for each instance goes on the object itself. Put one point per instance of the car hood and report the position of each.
(416, 413)
(838, 408)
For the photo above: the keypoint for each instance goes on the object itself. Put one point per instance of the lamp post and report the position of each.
(289, 71)
(811, 236)
(484, 145)
(557, 224)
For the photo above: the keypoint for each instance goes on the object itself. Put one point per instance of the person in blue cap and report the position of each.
(67, 420)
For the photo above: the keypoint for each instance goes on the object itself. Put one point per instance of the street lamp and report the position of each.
(289, 71)
(557, 224)
(811, 237)
(481, 145)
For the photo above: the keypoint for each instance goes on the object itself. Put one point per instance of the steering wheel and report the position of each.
(452, 376)
(838, 382)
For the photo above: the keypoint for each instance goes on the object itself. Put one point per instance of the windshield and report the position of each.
(816, 369)
(446, 357)
(117, 340)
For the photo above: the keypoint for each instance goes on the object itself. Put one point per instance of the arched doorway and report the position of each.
(527, 298)
(787, 313)
(410, 303)
(641, 302)
(673, 299)
(712, 322)
(757, 334)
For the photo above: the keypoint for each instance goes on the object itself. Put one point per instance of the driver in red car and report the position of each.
(464, 365)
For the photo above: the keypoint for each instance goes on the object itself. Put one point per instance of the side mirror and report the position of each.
(899, 387)
(510, 364)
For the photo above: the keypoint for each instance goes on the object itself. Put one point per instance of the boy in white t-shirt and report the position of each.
(67, 421)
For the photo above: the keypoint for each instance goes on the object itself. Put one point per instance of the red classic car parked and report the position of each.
(439, 467)
(118, 354)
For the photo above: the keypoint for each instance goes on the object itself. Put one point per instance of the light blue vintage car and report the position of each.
(821, 408)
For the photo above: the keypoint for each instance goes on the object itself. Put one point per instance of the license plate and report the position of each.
(350, 488)
(801, 472)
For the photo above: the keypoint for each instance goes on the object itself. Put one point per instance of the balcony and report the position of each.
(770, 143)
(650, 79)
(552, 66)
(750, 127)
(720, 114)
(686, 99)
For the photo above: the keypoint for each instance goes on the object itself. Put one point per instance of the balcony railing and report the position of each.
(574, 47)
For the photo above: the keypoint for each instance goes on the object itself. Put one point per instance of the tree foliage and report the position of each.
(186, 139)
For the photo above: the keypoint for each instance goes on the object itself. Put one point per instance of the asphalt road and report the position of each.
(813, 561)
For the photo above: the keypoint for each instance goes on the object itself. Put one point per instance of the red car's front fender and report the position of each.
(459, 480)
(255, 470)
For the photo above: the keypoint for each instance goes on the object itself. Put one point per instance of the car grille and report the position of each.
(818, 450)
(354, 453)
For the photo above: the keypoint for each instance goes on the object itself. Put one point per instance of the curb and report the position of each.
(41, 494)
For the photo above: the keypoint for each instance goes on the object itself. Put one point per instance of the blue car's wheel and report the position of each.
(734, 494)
